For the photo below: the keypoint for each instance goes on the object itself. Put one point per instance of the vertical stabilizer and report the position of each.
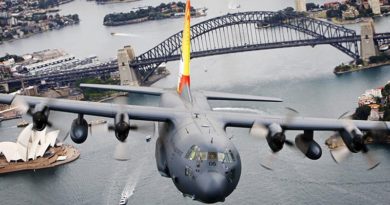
(183, 87)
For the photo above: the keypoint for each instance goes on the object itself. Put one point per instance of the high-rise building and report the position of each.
(375, 6)
(300, 5)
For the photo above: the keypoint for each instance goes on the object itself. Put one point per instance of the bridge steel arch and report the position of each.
(248, 31)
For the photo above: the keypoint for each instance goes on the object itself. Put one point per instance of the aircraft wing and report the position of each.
(146, 113)
(297, 123)
(130, 89)
(238, 97)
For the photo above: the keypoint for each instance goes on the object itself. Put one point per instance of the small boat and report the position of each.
(22, 123)
(384, 47)
(234, 5)
(148, 138)
(123, 200)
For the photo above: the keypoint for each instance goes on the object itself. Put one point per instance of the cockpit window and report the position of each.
(194, 153)
(212, 156)
(191, 154)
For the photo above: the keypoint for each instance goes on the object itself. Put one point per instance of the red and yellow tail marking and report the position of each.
(184, 75)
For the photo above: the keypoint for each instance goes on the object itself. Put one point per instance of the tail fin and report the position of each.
(184, 75)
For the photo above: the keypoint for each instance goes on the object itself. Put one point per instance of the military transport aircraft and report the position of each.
(193, 148)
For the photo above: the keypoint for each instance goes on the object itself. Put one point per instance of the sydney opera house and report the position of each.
(29, 145)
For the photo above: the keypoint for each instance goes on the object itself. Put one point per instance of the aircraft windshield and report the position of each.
(195, 154)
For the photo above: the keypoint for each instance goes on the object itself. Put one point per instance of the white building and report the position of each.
(375, 6)
(300, 5)
(29, 145)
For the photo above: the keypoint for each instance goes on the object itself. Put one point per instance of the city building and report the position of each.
(300, 5)
(350, 13)
(370, 97)
(375, 6)
(30, 91)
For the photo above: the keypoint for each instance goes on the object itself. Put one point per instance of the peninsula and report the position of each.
(113, 1)
(373, 105)
(21, 19)
(163, 11)
(381, 59)
(349, 11)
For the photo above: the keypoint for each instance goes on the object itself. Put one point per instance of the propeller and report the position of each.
(40, 113)
(40, 116)
(275, 136)
(121, 127)
(354, 141)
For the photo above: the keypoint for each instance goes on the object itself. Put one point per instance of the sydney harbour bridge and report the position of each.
(249, 31)
(240, 32)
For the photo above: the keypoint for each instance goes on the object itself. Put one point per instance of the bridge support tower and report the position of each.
(5, 87)
(127, 73)
(367, 45)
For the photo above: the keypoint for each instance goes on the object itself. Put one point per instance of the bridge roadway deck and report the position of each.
(265, 46)
(65, 76)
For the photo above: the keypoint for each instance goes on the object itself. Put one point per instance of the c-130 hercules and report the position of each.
(192, 147)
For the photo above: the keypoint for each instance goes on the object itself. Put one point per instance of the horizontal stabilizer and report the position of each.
(129, 89)
(238, 97)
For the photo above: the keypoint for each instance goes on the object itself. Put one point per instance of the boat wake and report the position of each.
(131, 184)
(124, 34)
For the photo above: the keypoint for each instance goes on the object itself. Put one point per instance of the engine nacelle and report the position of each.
(122, 126)
(79, 130)
(40, 117)
(275, 137)
(310, 148)
(353, 138)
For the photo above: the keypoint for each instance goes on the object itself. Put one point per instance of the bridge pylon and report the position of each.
(128, 76)
(367, 45)
(5, 87)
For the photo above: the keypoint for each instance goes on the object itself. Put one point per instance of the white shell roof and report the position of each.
(29, 142)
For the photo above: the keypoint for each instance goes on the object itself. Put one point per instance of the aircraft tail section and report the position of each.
(183, 87)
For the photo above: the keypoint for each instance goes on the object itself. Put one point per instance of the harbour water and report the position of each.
(301, 76)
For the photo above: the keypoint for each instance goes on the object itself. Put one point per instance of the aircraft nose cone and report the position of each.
(212, 187)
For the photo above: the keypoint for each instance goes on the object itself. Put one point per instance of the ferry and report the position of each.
(384, 47)
(123, 200)
(22, 123)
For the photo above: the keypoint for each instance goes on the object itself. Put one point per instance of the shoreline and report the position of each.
(362, 68)
(113, 1)
(33, 34)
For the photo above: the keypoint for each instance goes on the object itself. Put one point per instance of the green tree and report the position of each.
(75, 17)
(386, 115)
(334, 14)
(362, 113)
(312, 6)
(343, 7)
(359, 61)
(386, 91)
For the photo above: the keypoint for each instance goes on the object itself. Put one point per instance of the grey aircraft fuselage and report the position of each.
(195, 151)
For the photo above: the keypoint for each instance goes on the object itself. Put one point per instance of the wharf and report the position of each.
(45, 162)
